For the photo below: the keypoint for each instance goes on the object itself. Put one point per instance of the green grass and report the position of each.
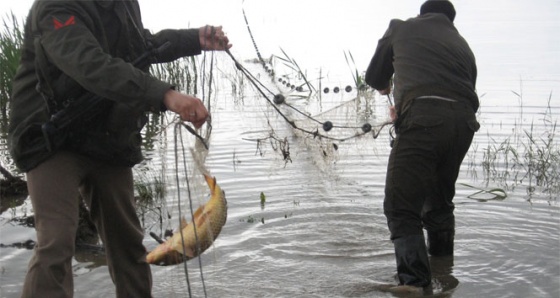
(359, 80)
(526, 158)
(11, 39)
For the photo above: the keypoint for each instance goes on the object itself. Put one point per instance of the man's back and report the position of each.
(430, 57)
(428, 50)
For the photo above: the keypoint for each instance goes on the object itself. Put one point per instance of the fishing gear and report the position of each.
(279, 99)
(178, 138)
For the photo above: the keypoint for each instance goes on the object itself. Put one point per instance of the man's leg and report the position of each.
(53, 188)
(413, 267)
(439, 222)
(110, 193)
(437, 214)
(404, 198)
(421, 144)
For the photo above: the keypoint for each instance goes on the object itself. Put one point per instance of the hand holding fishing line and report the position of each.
(188, 107)
(213, 38)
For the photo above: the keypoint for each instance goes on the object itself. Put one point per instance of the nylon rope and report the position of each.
(185, 168)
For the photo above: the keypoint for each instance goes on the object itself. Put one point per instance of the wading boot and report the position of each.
(413, 267)
(440, 243)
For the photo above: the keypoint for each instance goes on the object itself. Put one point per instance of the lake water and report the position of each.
(322, 232)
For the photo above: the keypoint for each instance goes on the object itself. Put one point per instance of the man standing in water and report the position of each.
(434, 115)
(75, 50)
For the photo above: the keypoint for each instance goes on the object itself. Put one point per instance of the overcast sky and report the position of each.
(513, 39)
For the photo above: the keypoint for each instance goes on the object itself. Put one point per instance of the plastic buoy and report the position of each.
(327, 125)
(279, 99)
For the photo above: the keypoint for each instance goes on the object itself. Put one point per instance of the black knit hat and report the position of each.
(439, 6)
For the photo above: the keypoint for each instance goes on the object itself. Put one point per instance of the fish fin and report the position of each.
(201, 219)
(184, 224)
(198, 212)
(189, 252)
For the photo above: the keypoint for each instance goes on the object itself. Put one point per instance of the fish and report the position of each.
(208, 221)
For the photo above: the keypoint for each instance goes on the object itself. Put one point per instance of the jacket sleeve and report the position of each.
(185, 42)
(380, 69)
(69, 44)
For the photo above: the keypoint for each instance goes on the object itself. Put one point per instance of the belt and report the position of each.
(436, 97)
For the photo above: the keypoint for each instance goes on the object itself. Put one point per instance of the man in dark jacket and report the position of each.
(435, 103)
(77, 48)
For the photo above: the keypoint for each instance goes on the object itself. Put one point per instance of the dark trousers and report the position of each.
(55, 187)
(433, 137)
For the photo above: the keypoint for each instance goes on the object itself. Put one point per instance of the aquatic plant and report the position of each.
(11, 39)
(150, 196)
(526, 157)
(484, 195)
(263, 199)
(291, 64)
(182, 73)
(542, 159)
(359, 80)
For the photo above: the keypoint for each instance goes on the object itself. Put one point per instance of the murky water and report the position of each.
(322, 232)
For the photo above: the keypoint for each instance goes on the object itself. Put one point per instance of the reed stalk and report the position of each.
(11, 39)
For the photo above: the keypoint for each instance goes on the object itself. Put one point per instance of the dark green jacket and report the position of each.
(427, 56)
(85, 46)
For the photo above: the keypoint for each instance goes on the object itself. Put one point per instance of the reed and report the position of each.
(291, 63)
(359, 80)
(150, 197)
(182, 73)
(11, 39)
(526, 158)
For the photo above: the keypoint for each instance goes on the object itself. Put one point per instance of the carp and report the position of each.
(208, 221)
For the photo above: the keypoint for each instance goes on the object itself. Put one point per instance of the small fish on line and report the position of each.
(183, 246)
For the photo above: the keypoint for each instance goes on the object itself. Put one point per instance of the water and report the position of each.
(324, 232)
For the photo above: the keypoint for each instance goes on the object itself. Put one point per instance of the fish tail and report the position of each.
(211, 181)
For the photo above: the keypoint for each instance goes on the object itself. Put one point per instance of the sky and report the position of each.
(320, 28)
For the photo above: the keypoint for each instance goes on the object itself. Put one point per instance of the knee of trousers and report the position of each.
(56, 237)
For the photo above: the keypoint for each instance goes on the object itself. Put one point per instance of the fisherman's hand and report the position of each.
(213, 38)
(188, 107)
(385, 91)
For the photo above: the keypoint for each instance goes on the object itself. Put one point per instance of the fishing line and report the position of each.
(212, 34)
(279, 99)
(179, 206)
(185, 168)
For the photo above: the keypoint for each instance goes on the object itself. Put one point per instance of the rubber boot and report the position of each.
(440, 243)
(413, 267)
